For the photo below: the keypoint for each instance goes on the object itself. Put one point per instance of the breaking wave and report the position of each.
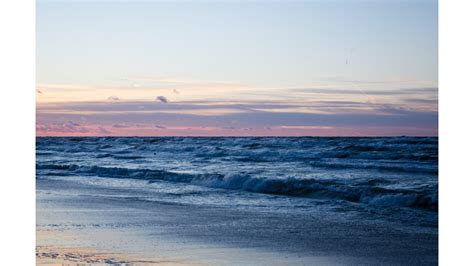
(367, 192)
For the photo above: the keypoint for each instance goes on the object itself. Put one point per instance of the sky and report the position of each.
(237, 68)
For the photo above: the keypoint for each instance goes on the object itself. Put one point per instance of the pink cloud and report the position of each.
(233, 119)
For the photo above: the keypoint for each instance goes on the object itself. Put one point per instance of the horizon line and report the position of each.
(236, 136)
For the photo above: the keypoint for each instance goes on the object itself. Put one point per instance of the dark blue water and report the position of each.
(385, 179)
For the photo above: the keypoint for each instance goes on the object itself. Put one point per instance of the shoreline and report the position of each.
(75, 216)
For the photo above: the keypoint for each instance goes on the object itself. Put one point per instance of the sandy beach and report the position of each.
(83, 224)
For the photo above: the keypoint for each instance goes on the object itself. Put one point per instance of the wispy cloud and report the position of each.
(179, 81)
(390, 92)
(120, 126)
(235, 118)
(113, 98)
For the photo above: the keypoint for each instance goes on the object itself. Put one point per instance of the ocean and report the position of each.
(293, 185)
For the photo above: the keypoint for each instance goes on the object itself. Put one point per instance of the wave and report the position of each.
(365, 192)
(363, 165)
(129, 157)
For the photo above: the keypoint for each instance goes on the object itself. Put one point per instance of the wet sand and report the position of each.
(55, 255)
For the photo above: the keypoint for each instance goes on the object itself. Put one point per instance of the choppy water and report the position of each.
(393, 179)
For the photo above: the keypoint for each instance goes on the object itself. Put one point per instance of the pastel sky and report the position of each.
(316, 68)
